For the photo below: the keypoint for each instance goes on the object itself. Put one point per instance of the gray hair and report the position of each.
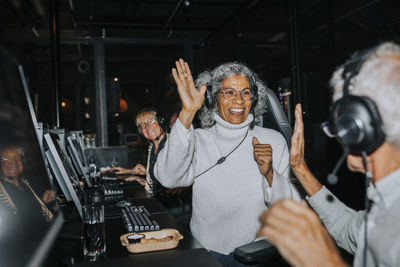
(378, 79)
(215, 78)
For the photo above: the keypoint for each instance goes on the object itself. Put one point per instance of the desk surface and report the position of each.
(171, 258)
(189, 252)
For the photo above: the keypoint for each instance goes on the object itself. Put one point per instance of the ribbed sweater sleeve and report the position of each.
(174, 166)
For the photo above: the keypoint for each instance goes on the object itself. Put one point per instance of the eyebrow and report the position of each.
(224, 88)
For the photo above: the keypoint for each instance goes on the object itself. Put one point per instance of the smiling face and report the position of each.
(12, 162)
(237, 110)
(148, 123)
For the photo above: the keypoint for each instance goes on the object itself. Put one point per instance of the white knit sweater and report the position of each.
(229, 198)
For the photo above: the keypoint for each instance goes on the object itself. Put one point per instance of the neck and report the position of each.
(13, 180)
(384, 160)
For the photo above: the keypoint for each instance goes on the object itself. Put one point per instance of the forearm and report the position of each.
(186, 117)
(307, 180)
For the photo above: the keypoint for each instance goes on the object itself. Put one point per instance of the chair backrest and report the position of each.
(275, 117)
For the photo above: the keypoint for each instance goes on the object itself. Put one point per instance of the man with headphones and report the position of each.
(152, 125)
(366, 121)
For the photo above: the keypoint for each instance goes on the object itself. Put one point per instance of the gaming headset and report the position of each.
(356, 119)
(162, 121)
(210, 99)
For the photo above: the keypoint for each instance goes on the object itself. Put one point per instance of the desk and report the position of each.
(189, 252)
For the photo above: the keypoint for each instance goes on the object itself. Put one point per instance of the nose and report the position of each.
(238, 98)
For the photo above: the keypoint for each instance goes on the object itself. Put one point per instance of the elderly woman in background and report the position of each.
(237, 169)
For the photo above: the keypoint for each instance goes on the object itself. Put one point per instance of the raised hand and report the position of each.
(297, 161)
(299, 235)
(139, 169)
(191, 99)
(263, 155)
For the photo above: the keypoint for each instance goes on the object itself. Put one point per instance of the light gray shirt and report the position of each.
(347, 226)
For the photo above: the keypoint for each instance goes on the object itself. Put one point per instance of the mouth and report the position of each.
(236, 111)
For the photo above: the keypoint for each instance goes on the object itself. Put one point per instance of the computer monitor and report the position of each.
(29, 216)
(78, 137)
(77, 160)
(62, 169)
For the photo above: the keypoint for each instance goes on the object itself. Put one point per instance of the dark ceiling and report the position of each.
(146, 36)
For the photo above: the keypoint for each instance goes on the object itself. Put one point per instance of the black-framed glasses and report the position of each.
(230, 94)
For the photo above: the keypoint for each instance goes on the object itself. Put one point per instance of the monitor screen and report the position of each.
(29, 215)
(77, 160)
(61, 167)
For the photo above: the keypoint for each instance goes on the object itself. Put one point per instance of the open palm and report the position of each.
(192, 100)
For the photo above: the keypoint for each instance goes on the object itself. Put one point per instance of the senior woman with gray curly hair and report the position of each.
(237, 169)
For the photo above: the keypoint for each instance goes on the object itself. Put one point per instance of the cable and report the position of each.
(366, 204)
(222, 159)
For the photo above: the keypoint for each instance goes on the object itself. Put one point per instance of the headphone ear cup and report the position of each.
(358, 124)
(209, 99)
(162, 121)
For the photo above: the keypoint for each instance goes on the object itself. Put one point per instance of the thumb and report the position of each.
(203, 89)
(255, 141)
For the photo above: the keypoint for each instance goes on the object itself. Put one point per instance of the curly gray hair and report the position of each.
(378, 79)
(215, 78)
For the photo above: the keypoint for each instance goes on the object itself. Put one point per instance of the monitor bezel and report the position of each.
(61, 173)
(76, 160)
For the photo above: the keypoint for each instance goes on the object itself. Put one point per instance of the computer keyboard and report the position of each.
(136, 219)
(108, 176)
(111, 189)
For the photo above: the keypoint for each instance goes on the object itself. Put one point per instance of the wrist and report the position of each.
(186, 117)
(270, 176)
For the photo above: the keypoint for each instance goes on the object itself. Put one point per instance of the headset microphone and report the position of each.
(332, 177)
(159, 136)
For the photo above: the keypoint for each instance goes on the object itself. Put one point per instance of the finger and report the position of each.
(183, 66)
(262, 147)
(255, 141)
(176, 78)
(299, 120)
(203, 89)
(189, 73)
(180, 70)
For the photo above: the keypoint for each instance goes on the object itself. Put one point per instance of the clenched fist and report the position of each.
(263, 156)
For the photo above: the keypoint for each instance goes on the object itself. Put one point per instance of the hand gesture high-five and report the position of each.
(297, 161)
(191, 99)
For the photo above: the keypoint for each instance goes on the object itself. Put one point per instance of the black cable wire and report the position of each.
(367, 206)
(222, 159)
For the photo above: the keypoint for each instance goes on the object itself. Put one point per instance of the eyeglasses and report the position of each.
(16, 158)
(230, 94)
(147, 123)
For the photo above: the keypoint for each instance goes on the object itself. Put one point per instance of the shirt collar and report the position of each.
(386, 190)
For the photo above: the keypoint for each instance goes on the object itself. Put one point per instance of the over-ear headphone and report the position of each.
(356, 119)
(210, 99)
(162, 121)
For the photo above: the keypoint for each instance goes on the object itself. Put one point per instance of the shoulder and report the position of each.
(268, 135)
